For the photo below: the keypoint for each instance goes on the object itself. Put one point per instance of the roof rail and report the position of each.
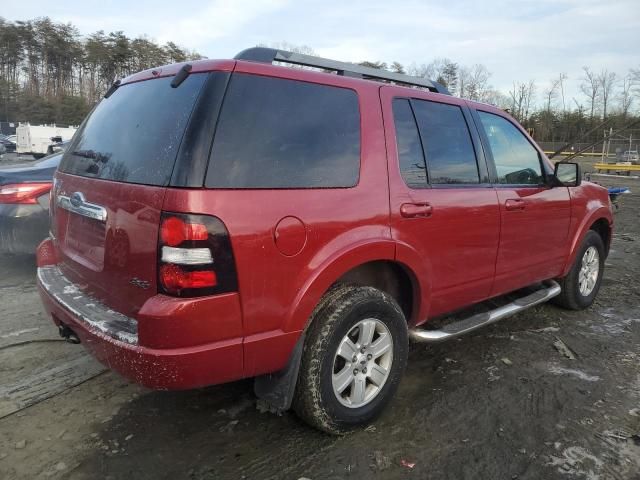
(270, 55)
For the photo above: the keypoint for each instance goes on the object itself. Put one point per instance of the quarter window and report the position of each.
(517, 161)
(279, 133)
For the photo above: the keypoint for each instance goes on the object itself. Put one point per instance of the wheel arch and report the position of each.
(599, 221)
(372, 264)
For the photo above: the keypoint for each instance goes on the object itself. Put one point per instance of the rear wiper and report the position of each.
(181, 76)
(97, 156)
(112, 89)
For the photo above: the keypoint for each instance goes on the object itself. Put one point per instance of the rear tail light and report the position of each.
(195, 256)
(23, 193)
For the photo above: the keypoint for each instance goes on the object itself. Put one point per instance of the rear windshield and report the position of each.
(277, 133)
(133, 136)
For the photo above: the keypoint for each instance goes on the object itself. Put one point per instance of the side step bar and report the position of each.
(456, 329)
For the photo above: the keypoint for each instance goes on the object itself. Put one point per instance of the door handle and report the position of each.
(515, 204)
(416, 210)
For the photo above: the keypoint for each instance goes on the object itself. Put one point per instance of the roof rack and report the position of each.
(270, 55)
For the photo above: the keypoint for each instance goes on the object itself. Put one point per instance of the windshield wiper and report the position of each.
(97, 156)
(181, 76)
(112, 88)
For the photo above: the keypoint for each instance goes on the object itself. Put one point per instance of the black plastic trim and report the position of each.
(193, 156)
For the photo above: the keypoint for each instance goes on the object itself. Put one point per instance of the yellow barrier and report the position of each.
(617, 167)
(586, 154)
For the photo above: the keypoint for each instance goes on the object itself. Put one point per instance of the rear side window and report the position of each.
(516, 161)
(410, 155)
(278, 133)
(447, 143)
(134, 135)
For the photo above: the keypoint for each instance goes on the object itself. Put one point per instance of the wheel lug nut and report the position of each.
(355, 358)
(364, 370)
(355, 371)
(362, 350)
(369, 357)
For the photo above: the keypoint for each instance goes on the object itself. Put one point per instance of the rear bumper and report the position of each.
(113, 339)
(22, 228)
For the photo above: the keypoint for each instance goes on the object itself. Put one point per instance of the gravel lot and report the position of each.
(507, 402)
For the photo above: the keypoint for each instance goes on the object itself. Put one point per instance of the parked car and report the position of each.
(57, 145)
(8, 144)
(303, 229)
(24, 204)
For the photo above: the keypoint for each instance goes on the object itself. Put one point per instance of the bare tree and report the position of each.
(522, 95)
(397, 67)
(551, 93)
(561, 78)
(473, 83)
(590, 87)
(607, 81)
(497, 98)
(625, 97)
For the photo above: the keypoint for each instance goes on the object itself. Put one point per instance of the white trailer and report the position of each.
(35, 139)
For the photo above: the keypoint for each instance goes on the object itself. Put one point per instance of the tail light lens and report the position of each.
(195, 256)
(23, 193)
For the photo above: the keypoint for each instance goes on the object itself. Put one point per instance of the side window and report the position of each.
(517, 162)
(278, 133)
(447, 143)
(410, 156)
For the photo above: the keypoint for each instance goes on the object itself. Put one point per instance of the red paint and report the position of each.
(192, 366)
(458, 245)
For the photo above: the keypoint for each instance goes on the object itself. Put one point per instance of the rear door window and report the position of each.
(517, 162)
(134, 135)
(410, 154)
(448, 148)
(280, 133)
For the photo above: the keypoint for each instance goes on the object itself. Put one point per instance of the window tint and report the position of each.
(277, 133)
(448, 149)
(133, 136)
(410, 153)
(517, 162)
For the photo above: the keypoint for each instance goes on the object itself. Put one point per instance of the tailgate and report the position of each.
(106, 235)
(110, 187)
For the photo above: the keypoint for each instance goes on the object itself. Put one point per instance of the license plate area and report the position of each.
(85, 241)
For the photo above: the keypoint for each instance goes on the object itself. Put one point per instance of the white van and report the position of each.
(35, 139)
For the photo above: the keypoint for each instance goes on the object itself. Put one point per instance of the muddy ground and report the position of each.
(504, 403)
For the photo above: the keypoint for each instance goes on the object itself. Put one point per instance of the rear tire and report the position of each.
(581, 285)
(335, 393)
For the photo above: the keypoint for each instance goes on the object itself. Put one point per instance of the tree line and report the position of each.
(550, 115)
(50, 73)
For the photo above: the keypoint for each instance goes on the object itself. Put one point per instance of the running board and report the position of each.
(456, 329)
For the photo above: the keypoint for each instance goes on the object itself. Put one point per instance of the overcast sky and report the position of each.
(515, 40)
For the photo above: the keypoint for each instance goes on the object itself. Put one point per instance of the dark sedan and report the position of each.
(24, 204)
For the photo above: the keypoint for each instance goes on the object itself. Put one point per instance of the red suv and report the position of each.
(232, 218)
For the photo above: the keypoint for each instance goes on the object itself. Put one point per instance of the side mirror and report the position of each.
(568, 174)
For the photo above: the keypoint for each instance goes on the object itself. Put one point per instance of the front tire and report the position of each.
(582, 283)
(354, 356)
